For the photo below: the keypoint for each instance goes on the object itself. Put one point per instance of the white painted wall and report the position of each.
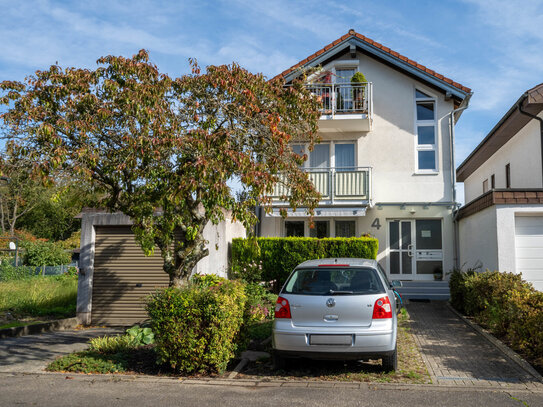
(478, 241)
(390, 146)
(522, 152)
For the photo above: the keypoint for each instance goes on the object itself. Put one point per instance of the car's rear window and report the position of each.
(334, 280)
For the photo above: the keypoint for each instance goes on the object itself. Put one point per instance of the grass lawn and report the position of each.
(37, 298)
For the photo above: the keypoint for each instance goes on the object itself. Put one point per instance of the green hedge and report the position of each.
(505, 304)
(267, 259)
(196, 328)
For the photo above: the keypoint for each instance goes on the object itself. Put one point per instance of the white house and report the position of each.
(385, 163)
(501, 226)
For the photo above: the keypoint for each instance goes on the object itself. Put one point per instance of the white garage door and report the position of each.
(529, 248)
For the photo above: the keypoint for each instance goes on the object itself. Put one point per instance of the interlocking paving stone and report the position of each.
(455, 354)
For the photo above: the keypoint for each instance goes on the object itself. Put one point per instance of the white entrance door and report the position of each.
(529, 249)
(415, 249)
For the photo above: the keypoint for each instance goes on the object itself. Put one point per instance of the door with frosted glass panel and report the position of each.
(401, 252)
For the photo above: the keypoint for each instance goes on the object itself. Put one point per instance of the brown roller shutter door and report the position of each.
(123, 277)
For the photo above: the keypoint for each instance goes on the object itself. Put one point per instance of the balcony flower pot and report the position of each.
(359, 94)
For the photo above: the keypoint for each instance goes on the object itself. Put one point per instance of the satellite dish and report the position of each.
(12, 246)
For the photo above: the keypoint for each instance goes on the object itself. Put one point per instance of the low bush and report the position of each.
(505, 304)
(196, 327)
(45, 254)
(111, 344)
(268, 259)
(9, 272)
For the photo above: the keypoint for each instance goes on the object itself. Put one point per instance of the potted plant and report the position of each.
(359, 93)
(438, 273)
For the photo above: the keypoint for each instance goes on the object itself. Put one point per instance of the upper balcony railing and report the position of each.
(344, 98)
(335, 184)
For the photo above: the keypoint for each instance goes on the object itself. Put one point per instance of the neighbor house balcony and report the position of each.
(336, 185)
(344, 106)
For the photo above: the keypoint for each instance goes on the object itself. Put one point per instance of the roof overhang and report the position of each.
(510, 124)
(397, 62)
(321, 212)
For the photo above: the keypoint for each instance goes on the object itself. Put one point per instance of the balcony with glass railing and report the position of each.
(336, 185)
(344, 106)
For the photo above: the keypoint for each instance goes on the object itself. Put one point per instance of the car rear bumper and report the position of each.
(363, 344)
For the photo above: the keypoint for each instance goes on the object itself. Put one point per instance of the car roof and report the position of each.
(351, 262)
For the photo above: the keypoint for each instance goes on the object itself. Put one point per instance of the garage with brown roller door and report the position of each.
(115, 276)
(123, 277)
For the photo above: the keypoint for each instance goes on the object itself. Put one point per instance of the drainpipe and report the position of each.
(524, 112)
(463, 106)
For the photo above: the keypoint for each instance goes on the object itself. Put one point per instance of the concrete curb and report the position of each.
(35, 329)
(262, 383)
(511, 354)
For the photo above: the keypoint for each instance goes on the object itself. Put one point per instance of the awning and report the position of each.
(321, 212)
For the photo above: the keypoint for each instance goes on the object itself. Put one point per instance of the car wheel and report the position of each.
(279, 362)
(390, 362)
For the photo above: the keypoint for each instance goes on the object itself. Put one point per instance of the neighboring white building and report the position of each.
(501, 226)
(385, 162)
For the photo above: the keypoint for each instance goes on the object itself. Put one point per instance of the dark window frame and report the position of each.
(492, 181)
(508, 176)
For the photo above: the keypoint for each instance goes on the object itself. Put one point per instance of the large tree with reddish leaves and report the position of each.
(164, 149)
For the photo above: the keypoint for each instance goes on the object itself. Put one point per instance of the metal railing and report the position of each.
(350, 183)
(343, 98)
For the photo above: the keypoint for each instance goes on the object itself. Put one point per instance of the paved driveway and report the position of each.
(455, 354)
(32, 353)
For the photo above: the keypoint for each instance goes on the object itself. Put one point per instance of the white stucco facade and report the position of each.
(522, 152)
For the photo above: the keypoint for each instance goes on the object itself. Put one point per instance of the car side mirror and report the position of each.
(396, 284)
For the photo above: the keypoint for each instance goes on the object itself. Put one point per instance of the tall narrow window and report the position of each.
(320, 156)
(492, 181)
(485, 186)
(344, 153)
(507, 176)
(344, 99)
(426, 157)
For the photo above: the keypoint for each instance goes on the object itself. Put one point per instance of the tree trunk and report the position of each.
(186, 259)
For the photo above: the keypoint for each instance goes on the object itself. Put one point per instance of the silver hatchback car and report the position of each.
(336, 309)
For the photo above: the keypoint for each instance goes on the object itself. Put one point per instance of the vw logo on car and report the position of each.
(330, 302)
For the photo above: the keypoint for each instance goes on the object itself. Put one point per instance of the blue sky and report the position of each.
(492, 46)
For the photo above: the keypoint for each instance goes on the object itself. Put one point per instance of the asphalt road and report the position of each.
(78, 390)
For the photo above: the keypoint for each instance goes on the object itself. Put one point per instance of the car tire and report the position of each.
(390, 362)
(279, 362)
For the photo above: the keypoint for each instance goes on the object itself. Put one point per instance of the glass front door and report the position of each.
(415, 249)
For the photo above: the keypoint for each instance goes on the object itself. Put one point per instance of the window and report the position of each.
(344, 156)
(426, 157)
(320, 156)
(492, 181)
(485, 186)
(344, 98)
(325, 155)
(345, 228)
(321, 229)
(294, 228)
(507, 176)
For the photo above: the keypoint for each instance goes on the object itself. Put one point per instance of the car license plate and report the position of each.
(344, 340)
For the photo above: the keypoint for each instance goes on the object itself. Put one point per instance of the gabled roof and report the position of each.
(379, 51)
(509, 125)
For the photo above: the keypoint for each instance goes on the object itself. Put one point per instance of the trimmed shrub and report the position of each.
(196, 327)
(268, 259)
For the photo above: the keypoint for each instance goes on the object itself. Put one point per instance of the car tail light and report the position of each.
(282, 308)
(382, 309)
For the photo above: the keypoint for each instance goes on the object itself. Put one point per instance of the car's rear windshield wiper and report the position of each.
(334, 292)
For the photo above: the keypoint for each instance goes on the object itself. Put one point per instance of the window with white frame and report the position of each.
(426, 129)
(329, 154)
